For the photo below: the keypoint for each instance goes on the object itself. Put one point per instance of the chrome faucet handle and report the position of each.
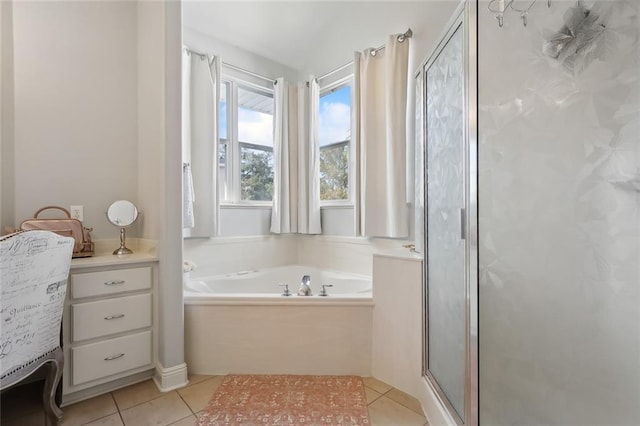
(286, 291)
(323, 292)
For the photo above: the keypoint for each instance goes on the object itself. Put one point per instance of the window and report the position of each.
(246, 143)
(334, 129)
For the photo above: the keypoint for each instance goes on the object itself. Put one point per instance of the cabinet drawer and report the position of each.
(109, 282)
(108, 357)
(104, 317)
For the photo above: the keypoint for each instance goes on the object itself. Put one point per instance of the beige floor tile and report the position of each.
(386, 412)
(88, 410)
(112, 420)
(406, 400)
(377, 385)
(371, 395)
(197, 378)
(160, 411)
(198, 395)
(136, 394)
(31, 419)
(187, 421)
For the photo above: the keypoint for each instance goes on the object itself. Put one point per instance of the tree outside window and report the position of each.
(334, 131)
(246, 143)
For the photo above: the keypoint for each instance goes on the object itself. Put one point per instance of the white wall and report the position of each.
(235, 56)
(97, 118)
(559, 224)
(151, 131)
(75, 107)
(7, 190)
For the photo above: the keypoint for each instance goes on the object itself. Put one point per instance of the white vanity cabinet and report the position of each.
(108, 326)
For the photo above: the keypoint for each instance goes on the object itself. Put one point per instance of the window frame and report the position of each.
(233, 194)
(331, 87)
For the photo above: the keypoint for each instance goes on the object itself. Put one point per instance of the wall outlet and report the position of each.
(76, 212)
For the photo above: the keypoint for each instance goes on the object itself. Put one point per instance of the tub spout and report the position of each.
(305, 286)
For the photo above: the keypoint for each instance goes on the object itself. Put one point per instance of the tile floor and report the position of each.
(142, 404)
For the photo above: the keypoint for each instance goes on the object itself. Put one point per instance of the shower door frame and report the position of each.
(465, 18)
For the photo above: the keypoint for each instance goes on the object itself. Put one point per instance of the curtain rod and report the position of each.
(189, 50)
(400, 38)
(340, 68)
(204, 56)
(233, 67)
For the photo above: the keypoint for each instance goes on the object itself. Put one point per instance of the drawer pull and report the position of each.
(110, 317)
(112, 357)
(114, 282)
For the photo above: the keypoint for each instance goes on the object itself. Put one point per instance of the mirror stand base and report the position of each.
(122, 250)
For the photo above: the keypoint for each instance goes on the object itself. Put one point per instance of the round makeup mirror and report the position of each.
(122, 213)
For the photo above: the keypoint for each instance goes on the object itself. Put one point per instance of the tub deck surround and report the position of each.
(266, 333)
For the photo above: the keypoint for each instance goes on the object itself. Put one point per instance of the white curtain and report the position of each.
(309, 161)
(200, 100)
(296, 197)
(284, 212)
(382, 107)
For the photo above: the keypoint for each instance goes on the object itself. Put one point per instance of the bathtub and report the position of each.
(240, 323)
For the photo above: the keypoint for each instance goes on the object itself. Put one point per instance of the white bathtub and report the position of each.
(240, 323)
(266, 285)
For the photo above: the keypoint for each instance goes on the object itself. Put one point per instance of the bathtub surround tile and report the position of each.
(386, 412)
(198, 395)
(223, 339)
(224, 255)
(89, 410)
(136, 394)
(160, 411)
(287, 399)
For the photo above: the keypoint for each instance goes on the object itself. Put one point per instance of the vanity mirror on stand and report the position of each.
(123, 214)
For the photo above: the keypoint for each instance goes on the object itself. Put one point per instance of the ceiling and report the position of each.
(304, 34)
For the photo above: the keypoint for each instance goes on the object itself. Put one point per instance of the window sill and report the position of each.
(265, 206)
(337, 206)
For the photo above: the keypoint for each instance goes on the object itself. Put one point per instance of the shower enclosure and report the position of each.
(559, 213)
(447, 86)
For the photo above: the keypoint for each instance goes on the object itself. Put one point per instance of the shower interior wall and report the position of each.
(559, 219)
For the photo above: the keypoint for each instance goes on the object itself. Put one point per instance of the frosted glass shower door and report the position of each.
(445, 221)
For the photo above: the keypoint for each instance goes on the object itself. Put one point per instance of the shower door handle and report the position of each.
(463, 224)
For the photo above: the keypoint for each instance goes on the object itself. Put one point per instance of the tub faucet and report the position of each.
(305, 286)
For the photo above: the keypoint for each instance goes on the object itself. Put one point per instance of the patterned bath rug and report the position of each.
(287, 400)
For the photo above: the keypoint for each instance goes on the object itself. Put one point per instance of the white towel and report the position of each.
(188, 221)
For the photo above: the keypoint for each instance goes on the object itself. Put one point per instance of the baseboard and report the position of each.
(168, 379)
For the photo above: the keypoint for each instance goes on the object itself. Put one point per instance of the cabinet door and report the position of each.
(110, 316)
(102, 283)
(108, 357)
